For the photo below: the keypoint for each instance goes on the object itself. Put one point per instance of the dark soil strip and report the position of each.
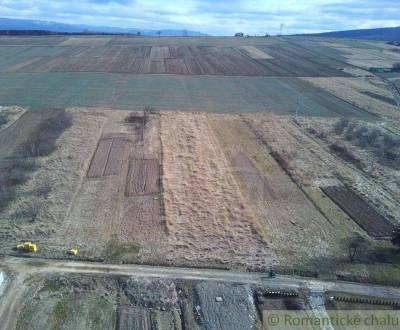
(116, 157)
(99, 161)
(386, 99)
(360, 211)
(143, 177)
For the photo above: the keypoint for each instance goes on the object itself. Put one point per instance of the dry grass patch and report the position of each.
(353, 90)
(206, 216)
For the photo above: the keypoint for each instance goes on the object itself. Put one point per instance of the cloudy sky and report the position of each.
(222, 17)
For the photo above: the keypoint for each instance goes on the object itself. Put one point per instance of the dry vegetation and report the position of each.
(46, 194)
(207, 218)
(18, 166)
(280, 205)
(369, 94)
(368, 54)
(197, 189)
(9, 115)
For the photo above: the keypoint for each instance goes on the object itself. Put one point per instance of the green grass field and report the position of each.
(170, 92)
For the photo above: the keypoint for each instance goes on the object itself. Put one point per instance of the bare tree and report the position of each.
(355, 244)
(396, 236)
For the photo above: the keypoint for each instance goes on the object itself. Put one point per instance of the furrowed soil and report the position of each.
(240, 57)
(104, 221)
(363, 214)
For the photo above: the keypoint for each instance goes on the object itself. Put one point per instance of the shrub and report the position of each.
(134, 118)
(31, 211)
(3, 118)
(384, 145)
(340, 125)
(345, 153)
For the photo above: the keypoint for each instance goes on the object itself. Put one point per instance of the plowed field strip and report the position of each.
(363, 214)
(99, 162)
(116, 157)
(141, 220)
(109, 157)
(143, 177)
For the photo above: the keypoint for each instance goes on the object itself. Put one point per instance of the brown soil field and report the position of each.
(154, 59)
(141, 221)
(143, 177)
(186, 56)
(365, 216)
(99, 162)
(110, 154)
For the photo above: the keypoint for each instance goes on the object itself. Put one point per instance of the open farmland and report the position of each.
(239, 154)
(120, 199)
(183, 93)
(194, 74)
(210, 56)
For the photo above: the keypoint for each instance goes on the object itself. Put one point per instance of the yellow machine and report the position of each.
(73, 252)
(27, 247)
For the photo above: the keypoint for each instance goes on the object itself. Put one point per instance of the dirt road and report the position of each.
(21, 266)
(22, 270)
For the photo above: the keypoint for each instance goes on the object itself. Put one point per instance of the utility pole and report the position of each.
(281, 28)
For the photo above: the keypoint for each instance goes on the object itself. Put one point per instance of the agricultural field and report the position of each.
(203, 155)
(368, 93)
(178, 56)
(194, 74)
(179, 93)
(135, 187)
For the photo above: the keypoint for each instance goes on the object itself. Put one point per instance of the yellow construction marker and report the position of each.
(73, 252)
(27, 247)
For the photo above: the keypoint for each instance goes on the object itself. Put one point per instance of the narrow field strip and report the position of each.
(361, 212)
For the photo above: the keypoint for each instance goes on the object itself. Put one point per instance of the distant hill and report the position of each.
(33, 25)
(382, 34)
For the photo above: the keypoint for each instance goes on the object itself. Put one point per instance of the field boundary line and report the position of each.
(160, 178)
(272, 154)
(108, 155)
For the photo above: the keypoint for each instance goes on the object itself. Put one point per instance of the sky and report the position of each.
(224, 17)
